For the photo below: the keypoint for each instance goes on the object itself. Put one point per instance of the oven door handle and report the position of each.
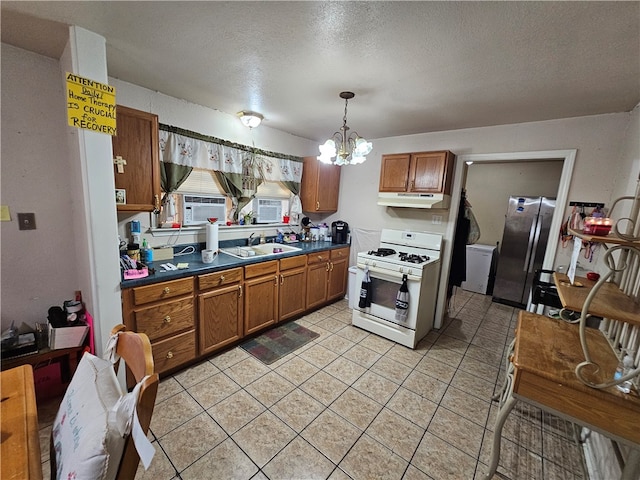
(392, 275)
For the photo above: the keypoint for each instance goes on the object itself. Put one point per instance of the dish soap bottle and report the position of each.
(147, 253)
(624, 367)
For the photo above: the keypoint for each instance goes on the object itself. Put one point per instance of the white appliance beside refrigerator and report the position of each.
(480, 260)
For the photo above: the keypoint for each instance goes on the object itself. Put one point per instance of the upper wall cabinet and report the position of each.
(136, 144)
(425, 172)
(320, 187)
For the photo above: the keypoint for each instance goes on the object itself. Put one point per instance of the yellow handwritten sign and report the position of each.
(91, 105)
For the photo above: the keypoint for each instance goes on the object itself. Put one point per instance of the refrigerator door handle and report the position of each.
(535, 242)
(532, 233)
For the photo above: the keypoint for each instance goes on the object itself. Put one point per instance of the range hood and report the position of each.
(414, 200)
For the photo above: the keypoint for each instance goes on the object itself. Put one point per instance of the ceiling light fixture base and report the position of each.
(250, 119)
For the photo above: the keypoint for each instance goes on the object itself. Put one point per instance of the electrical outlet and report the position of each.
(26, 221)
(436, 219)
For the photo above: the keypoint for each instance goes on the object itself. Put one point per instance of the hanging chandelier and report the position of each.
(348, 149)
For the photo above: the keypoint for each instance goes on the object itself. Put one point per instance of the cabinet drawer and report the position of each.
(175, 351)
(218, 279)
(259, 269)
(162, 291)
(293, 262)
(166, 319)
(318, 257)
(339, 253)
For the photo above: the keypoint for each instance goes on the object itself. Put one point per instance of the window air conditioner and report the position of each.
(269, 210)
(197, 209)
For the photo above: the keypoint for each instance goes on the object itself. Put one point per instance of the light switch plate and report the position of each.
(26, 221)
(436, 219)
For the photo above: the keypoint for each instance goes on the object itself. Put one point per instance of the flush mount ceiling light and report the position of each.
(348, 149)
(250, 119)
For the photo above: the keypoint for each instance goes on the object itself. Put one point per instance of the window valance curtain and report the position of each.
(195, 150)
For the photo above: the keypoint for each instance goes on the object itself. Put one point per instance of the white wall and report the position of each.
(38, 267)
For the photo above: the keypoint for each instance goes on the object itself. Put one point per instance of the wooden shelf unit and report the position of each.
(608, 302)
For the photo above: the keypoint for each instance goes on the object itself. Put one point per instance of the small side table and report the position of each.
(67, 357)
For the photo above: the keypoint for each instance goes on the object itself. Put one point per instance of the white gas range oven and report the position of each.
(416, 255)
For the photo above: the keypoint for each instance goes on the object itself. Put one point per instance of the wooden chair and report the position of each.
(135, 350)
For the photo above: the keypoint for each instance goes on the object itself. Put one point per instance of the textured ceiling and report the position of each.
(414, 66)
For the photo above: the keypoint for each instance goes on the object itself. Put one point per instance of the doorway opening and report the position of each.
(568, 160)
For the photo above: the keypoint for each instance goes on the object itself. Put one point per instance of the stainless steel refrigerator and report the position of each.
(524, 241)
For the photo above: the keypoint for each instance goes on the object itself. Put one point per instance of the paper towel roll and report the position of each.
(212, 236)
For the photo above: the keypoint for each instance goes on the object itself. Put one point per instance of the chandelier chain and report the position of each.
(344, 119)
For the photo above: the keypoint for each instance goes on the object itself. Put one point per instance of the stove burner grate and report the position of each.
(413, 258)
(382, 252)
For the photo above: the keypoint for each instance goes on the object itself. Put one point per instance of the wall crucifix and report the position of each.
(120, 163)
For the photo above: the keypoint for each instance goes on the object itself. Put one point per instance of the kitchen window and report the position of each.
(203, 182)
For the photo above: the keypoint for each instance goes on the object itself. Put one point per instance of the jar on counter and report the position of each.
(133, 251)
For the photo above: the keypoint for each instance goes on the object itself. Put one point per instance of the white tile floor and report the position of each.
(353, 405)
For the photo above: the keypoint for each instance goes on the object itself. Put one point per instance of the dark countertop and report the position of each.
(221, 262)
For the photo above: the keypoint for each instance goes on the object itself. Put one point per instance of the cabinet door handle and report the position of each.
(276, 284)
(156, 203)
(331, 267)
(167, 319)
(281, 279)
(221, 278)
(239, 291)
(166, 290)
(317, 205)
(169, 355)
(326, 267)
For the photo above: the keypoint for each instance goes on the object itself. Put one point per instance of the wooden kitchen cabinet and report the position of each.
(261, 296)
(220, 309)
(137, 143)
(424, 172)
(293, 287)
(165, 313)
(326, 276)
(317, 278)
(338, 269)
(320, 188)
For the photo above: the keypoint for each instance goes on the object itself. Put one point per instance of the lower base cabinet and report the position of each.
(317, 278)
(189, 318)
(165, 313)
(293, 287)
(261, 296)
(338, 270)
(220, 309)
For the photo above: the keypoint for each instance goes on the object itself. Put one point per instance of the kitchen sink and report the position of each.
(265, 249)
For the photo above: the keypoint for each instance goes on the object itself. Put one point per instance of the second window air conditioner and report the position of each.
(268, 210)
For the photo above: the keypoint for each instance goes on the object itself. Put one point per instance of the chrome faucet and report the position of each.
(250, 239)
